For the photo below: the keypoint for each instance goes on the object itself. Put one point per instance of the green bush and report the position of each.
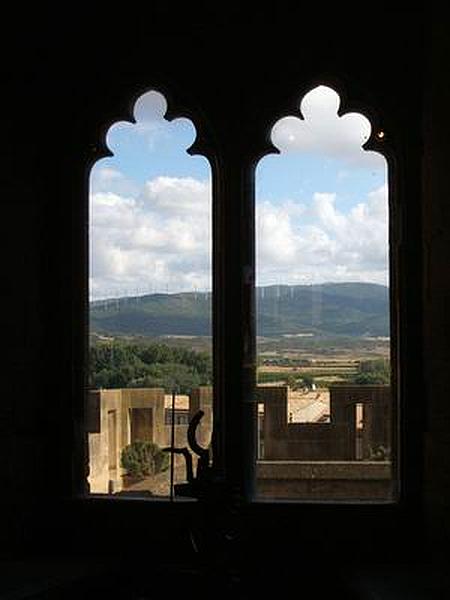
(141, 459)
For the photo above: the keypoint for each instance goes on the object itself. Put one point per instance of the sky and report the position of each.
(321, 204)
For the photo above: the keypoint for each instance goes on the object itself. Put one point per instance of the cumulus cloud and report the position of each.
(157, 236)
(174, 195)
(160, 240)
(153, 236)
(320, 240)
(325, 243)
(157, 243)
(322, 132)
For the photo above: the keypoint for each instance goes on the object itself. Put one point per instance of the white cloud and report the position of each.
(159, 241)
(146, 243)
(176, 195)
(152, 243)
(322, 241)
(322, 132)
(157, 237)
(324, 244)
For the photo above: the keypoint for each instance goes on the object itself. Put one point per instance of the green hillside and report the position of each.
(351, 309)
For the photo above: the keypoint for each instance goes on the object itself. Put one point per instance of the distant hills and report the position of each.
(330, 309)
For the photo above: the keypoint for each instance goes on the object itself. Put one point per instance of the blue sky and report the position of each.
(298, 176)
(158, 149)
(321, 204)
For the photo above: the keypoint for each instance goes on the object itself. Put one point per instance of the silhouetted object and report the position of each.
(194, 486)
(217, 530)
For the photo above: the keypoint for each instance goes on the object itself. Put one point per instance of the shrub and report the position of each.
(141, 459)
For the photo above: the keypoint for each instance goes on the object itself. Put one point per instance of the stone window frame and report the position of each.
(383, 142)
(233, 184)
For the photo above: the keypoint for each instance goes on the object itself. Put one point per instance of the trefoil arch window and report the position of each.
(326, 397)
(150, 311)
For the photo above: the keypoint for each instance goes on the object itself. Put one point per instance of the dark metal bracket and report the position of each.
(195, 485)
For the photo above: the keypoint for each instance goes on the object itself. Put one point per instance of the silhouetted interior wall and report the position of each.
(436, 226)
(63, 84)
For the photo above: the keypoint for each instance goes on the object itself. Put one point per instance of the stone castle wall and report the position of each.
(116, 418)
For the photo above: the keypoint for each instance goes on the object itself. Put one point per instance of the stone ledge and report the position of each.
(292, 469)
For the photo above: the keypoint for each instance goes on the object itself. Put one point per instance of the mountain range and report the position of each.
(329, 309)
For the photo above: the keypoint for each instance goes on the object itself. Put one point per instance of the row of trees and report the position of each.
(371, 372)
(119, 364)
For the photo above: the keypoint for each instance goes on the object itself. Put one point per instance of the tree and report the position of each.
(373, 372)
(291, 382)
(169, 376)
(308, 380)
(118, 364)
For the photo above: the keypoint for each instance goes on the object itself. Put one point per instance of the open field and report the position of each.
(319, 348)
(328, 360)
(322, 369)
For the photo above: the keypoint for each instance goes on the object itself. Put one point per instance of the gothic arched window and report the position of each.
(325, 400)
(150, 351)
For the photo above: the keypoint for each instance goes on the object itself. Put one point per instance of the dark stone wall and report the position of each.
(66, 76)
(436, 248)
(335, 440)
